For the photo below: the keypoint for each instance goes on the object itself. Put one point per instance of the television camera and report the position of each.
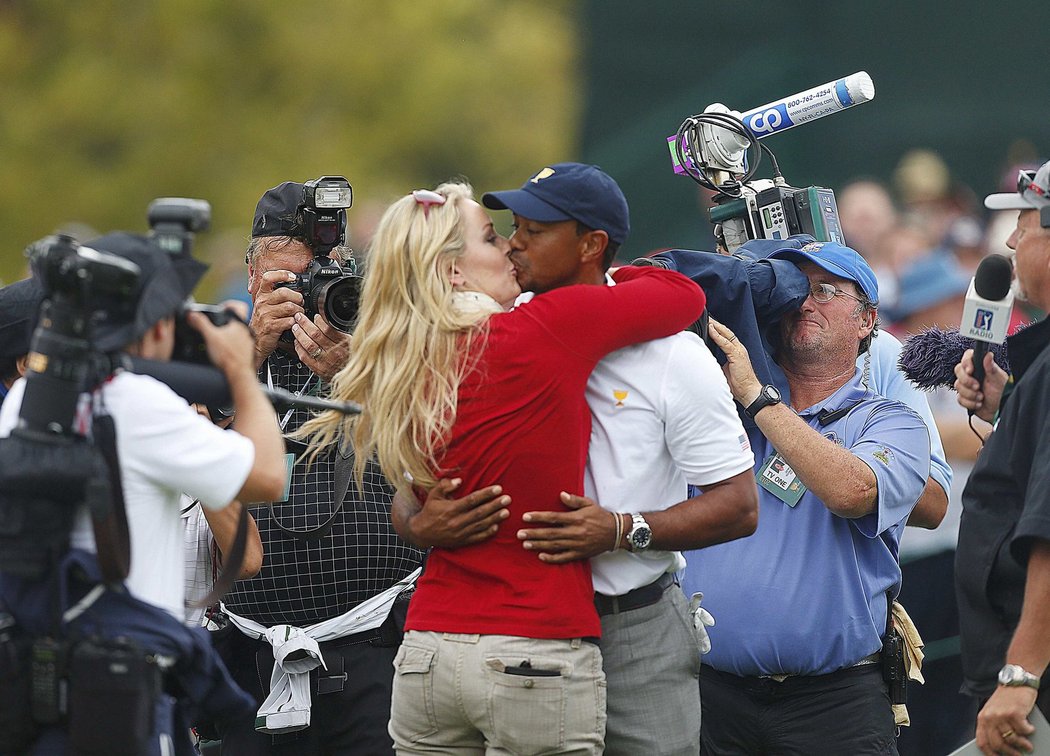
(720, 150)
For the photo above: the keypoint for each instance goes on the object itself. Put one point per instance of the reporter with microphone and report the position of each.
(1003, 560)
(985, 319)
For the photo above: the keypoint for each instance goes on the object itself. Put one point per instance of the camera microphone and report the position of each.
(986, 314)
(781, 115)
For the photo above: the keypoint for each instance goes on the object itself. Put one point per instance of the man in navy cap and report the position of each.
(163, 446)
(803, 604)
(334, 565)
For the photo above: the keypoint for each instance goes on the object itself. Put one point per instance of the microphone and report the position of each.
(986, 314)
(781, 115)
(785, 113)
(928, 358)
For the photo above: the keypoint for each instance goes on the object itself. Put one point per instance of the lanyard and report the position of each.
(300, 392)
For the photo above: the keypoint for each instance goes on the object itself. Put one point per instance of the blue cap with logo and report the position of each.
(839, 260)
(569, 191)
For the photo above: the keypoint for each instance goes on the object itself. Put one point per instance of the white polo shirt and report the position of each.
(662, 416)
(165, 448)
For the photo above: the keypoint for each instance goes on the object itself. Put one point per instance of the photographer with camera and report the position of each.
(60, 571)
(334, 565)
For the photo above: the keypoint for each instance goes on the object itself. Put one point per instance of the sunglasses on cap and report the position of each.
(1026, 183)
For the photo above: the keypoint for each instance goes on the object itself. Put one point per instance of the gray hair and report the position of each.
(259, 244)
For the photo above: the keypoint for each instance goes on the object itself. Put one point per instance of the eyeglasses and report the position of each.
(427, 198)
(1026, 183)
(825, 292)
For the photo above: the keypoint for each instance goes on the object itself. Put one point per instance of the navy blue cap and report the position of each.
(164, 283)
(276, 214)
(569, 191)
(19, 308)
(838, 260)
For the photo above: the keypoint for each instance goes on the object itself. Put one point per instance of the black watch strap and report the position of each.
(766, 397)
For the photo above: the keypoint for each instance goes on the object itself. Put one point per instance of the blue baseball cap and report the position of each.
(838, 260)
(569, 191)
(927, 282)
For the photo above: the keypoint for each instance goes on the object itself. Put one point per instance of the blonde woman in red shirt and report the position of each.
(498, 655)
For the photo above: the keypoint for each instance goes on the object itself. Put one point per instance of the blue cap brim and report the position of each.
(829, 266)
(521, 202)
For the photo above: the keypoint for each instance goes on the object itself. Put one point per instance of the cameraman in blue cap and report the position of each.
(803, 605)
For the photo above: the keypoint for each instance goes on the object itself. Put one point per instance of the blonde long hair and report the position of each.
(408, 355)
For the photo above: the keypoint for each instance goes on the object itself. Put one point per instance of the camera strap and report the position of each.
(344, 465)
(109, 517)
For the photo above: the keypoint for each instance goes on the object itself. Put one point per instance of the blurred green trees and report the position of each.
(106, 105)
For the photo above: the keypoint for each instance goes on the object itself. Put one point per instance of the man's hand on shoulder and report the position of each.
(584, 531)
(450, 523)
(739, 373)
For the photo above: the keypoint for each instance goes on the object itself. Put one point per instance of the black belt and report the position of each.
(647, 595)
(782, 682)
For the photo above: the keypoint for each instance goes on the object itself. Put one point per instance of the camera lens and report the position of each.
(339, 300)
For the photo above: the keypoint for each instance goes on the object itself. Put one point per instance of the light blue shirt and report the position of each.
(806, 594)
(887, 380)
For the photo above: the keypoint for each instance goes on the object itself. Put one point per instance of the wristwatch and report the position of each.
(769, 395)
(1015, 676)
(640, 535)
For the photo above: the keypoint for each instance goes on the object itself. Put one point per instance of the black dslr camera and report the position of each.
(327, 287)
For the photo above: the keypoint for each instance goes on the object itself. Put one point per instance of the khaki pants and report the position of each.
(497, 694)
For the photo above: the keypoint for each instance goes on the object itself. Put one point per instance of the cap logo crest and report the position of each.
(545, 173)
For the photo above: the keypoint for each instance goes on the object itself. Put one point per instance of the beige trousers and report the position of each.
(497, 695)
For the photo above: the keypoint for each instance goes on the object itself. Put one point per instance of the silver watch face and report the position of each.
(1013, 675)
(641, 537)
(773, 393)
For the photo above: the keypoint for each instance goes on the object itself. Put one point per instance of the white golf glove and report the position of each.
(702, 620)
